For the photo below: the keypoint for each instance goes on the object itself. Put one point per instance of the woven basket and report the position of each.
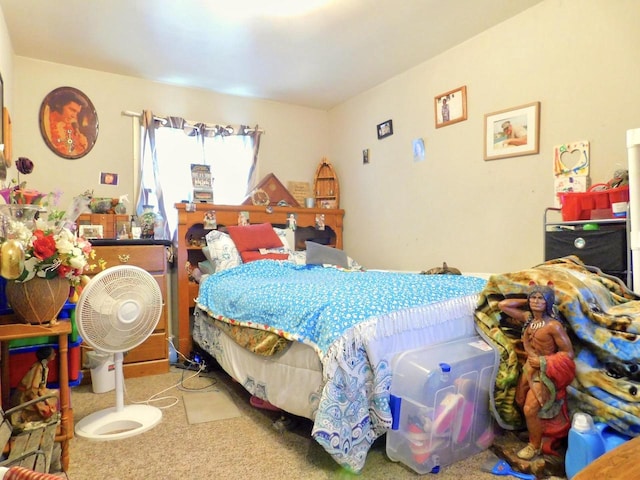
(39, 300)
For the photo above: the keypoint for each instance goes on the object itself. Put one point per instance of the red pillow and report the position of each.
(253, 255)
(254, 237)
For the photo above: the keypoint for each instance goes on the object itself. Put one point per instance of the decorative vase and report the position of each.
(39, 300)
(148, 221)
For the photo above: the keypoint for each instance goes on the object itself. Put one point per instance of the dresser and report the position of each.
(152, 356)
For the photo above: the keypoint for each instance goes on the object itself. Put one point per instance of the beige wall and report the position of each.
(574, 56)
(577, 57)
(295, 139)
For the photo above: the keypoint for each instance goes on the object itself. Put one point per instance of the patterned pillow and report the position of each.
(282, 235)
(222, 250)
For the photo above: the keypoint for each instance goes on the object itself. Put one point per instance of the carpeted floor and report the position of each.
(244, 447)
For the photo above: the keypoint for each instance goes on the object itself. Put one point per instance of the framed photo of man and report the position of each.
(513, 132)
(68, 122)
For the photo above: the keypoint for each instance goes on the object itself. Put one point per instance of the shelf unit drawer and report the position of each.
(605, 249)
(150, 257)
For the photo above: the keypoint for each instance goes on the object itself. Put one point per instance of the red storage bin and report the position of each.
(22, 358)
(578, 205)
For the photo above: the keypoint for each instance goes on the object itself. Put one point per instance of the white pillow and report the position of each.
(298, 257)
(282, 233)
(222, 250)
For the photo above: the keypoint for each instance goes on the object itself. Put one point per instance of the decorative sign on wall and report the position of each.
(571, 159)
(68, 122)
(570, 168)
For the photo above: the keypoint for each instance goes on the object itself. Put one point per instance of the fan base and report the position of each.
(114, 424)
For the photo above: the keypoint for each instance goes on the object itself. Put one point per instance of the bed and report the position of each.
(313, 333)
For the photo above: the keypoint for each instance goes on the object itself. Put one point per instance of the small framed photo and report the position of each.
(90, 231)
(513, 132)
(385, 129)
(107, 178)
(365, 156)
(210, 221)
(451, 107)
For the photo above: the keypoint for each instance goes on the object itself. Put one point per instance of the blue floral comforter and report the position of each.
(345, 316)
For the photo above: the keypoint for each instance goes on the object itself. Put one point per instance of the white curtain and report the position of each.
(171, 144)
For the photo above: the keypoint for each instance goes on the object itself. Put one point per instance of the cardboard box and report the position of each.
(440, 404)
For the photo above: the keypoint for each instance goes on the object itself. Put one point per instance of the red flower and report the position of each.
(63, 270)
(44, 246)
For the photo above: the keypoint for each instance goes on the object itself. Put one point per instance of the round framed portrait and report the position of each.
(68, 122)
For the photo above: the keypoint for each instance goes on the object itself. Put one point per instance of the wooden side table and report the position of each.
(11, 328)
(621, 463)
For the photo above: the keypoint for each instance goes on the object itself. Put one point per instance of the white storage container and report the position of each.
(440, 403)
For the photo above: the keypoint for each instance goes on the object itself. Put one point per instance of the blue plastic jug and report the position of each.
(587, 441)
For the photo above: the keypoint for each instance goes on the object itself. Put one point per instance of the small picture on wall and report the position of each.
(365, 156)
(109, 178)
(451, 107)
(385, 129)
(418, 150)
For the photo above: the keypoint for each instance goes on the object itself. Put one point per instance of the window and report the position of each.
(166, 174)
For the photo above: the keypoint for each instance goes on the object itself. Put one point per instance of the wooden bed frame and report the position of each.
(191, 233)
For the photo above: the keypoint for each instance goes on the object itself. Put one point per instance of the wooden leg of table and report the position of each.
(66, 421)
(5, 388)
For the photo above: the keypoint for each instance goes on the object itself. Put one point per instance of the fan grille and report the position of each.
(119, 308)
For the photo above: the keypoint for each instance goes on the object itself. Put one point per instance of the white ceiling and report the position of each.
(318, 59)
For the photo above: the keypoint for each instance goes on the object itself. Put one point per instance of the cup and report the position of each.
(310, 202)
(619, 209)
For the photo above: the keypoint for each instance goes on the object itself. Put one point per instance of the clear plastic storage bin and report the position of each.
(440, 403)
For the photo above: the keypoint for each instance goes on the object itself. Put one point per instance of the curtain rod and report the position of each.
(129, 113)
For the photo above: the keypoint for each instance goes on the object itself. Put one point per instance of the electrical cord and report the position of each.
(189, 364)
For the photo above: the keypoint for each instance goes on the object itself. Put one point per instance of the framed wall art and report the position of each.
(7, 135)
(1, 106)
(512, 132)
(451, 107)
(68, 122)
(385, 129)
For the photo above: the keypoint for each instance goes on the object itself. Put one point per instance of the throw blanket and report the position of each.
(345, 316)
(603, 320)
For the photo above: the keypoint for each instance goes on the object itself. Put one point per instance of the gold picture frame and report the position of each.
(7, 136)
(513, 132)
(450, 107)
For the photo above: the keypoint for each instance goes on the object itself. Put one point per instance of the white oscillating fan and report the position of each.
(117, 311)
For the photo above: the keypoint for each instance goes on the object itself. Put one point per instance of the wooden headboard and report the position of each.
(192, 229)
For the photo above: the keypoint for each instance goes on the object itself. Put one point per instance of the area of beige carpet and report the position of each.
(208, 407)
(247, 447)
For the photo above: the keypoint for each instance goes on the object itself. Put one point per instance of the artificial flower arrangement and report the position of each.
(51, 246)
(18, 192)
